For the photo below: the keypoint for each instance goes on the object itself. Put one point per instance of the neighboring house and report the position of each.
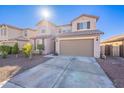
(9, 35)
(113, 46)
(78, 38)
(8, 32)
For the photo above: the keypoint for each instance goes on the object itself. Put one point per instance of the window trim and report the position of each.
(83, 25)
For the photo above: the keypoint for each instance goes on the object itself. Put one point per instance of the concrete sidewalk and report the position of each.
(63, 72)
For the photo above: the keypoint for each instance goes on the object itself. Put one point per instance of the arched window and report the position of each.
(4, 32)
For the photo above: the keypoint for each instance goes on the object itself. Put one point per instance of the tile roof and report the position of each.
(114, 39)
(11, 26)
(20, 38)
(43, 36)
(87, 15)
(78, 33)
(45, 21)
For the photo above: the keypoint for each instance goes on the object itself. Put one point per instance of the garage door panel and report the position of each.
(78, 47)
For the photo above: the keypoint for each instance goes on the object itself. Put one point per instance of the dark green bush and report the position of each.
(15, 49)
(8, 49)
(5, 50)
(4, 54)
(40, 47)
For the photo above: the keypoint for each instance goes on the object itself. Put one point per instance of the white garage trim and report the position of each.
(96, 44)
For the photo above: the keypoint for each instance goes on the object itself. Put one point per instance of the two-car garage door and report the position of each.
(77, 47)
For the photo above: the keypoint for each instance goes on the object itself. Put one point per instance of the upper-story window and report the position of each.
(88, 25)
(79, 26)
(84, 25)
(25, 33)
(2, 32)
(5, 32)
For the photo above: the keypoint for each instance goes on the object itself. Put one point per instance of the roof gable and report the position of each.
(45, 21)
(86, 15)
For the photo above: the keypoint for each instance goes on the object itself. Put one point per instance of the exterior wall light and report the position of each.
(97, 39)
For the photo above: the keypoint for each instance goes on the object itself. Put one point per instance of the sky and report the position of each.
(111, 20)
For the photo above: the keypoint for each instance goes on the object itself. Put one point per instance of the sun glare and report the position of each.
(45, 13)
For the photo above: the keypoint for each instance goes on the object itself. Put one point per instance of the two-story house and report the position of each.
(79, 38)
(82, 40)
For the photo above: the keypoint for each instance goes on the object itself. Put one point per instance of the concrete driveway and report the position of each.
(63, 72)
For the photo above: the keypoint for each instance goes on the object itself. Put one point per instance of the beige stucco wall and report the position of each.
(84, 19)
(115, 47)
(116, 51)
(102, 50)
(21, 44)
(96, 43)
(13, 33)
(66, 28)
(49, 46)
(49, 28)
(30, 33)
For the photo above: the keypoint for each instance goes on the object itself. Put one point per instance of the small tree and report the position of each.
(40, 47)
(4, 51)
(27, 49)
(15, 49)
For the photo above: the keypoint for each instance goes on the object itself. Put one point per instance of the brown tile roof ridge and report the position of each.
(14, 27)
(64, 25)
(88, 15)
(46, 21)
(30, 29)
(114, 38)
(85, 32)
(43, 36)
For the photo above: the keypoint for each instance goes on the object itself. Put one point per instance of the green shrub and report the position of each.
(4, 54)
(15, 49)
(4, 50)
(27, 49)
(9, 49)
(40, 47)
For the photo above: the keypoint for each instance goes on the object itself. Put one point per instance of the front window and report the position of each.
(84, 25)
